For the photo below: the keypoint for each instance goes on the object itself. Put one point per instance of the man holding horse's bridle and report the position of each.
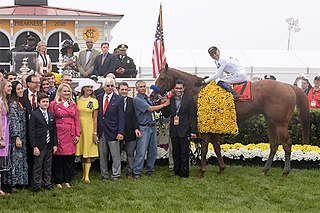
(229, 71)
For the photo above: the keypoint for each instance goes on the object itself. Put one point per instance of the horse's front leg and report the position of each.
(217, 149)
(204, 151)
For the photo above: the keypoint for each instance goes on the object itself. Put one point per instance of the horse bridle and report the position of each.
(169, 83)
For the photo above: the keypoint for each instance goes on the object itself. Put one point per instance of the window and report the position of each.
(53, 44)
(4, 51)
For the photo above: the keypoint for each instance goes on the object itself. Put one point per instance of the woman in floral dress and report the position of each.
(17, 176)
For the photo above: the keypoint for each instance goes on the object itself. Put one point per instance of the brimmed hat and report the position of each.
(69, 43)
(30, 36)
(317, 78)
(94, 77)
(123, 47)
(87, 82)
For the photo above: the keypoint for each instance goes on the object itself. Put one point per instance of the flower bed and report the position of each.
(239, 151)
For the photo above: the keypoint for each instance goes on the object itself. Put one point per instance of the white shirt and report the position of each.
(107, 96)
(30, 97)
(228, 65)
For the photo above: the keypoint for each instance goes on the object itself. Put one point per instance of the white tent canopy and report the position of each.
(284, 65)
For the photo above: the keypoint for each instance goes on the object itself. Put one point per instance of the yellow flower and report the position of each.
(57, 77)
(216, 111)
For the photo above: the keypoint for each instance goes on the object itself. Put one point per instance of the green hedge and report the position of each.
(255, 130)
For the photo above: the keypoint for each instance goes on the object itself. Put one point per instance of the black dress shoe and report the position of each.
(49, 187)
(36, 189)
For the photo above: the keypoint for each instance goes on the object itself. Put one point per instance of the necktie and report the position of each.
(103, 57)
(125, 104)
(45, 115)
(106, 102)
(33, 101)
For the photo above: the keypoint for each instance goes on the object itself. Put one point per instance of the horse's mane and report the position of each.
(180, 72)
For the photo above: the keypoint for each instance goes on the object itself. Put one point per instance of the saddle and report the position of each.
(244, 91)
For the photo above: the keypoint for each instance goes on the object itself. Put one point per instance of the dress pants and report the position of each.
(130, 147)
(42, 168)
(181, 152)
(114, 148)
(63, 168)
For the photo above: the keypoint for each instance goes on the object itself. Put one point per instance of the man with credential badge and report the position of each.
(183, 126)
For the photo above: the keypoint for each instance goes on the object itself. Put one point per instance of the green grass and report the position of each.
(240, 189)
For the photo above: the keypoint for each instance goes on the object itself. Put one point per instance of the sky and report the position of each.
(191, 24)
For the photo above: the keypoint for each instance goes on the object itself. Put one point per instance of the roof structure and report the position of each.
(39, 10)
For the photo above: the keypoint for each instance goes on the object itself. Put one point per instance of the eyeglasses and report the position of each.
(36, 82)
(108, 85)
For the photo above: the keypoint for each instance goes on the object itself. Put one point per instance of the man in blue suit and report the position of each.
(111, 123)
(104, 62)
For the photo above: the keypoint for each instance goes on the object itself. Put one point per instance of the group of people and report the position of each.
(44, 127)
(89, 61)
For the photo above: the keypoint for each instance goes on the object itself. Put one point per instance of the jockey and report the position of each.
(230, 70)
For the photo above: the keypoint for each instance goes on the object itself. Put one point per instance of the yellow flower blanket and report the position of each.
(216, 111)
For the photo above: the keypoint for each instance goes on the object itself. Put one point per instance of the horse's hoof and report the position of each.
(221, 171)
(200, 174)
(264, 172)
(285, 174)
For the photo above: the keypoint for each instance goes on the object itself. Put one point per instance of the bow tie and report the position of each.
(88, 50)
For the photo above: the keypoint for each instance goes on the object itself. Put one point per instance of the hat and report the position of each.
(87, 82)
(69, 43)
(94, 77)
(271, 77)
(123, 47)
(212, 50)
(317, 78)
(29, 36)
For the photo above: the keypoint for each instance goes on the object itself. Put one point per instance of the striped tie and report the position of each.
(45, 115)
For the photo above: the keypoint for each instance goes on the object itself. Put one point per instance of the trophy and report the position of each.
(24, 68)
(60, 64)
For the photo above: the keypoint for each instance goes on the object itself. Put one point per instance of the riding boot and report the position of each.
(86, 172)
(227, 87)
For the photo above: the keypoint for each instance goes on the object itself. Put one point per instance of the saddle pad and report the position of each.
(244, 91)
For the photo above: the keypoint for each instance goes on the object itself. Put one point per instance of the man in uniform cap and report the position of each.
(124, 65)
(29, 46)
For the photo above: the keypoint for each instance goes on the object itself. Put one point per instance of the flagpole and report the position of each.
(161, 33)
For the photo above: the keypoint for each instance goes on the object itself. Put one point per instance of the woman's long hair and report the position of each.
(14, 97)
(3, 95)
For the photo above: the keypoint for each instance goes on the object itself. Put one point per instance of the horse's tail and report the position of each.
(303, 105)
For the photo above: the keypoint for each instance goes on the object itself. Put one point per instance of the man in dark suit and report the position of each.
(86, 59)
(104, 62)
(111, 122)
(44, 142)
(131, 129)
(183, 124)
(29, 102)
(124, 65)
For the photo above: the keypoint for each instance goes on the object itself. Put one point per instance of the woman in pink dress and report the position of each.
(68, 130)
(5, 90)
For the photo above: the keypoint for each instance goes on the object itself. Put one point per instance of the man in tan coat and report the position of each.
(86, 59)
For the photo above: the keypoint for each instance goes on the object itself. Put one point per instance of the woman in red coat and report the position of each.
(68, 130)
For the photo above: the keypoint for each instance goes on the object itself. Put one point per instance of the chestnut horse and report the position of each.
(273, 99)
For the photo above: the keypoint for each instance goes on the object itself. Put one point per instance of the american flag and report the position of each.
(159, 58)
